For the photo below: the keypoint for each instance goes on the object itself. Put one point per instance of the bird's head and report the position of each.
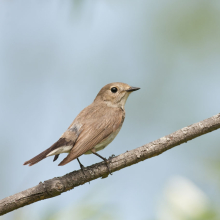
(115, 94)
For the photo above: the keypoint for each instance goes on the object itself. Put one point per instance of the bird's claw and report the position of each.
(112, 156)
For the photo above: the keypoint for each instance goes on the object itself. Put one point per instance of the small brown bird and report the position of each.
(94, 128)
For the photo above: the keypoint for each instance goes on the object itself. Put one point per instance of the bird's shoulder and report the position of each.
(98, 111)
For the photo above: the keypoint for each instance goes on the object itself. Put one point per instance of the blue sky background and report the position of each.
(54, 58)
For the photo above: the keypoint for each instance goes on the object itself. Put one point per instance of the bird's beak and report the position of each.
(131, 89)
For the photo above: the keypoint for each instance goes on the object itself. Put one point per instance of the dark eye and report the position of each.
(114, 89)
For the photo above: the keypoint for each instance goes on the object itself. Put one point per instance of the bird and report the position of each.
(94, 128)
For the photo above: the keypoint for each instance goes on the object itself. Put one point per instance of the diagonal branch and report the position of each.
(58, 185)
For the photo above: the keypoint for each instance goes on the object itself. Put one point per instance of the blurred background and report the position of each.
(54, 58)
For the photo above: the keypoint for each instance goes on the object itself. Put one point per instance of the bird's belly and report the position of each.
(104, 143)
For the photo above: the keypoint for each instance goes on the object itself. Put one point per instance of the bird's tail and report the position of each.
(38, 158)
(61, 142)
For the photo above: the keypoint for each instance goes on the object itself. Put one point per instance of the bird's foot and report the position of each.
(107, 164)
(112, 156)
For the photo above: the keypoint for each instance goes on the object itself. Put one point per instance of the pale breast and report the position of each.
(106, 142)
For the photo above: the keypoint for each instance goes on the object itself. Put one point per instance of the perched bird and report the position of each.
(94, 128)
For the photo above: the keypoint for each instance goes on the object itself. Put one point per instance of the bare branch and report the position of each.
(58, 185)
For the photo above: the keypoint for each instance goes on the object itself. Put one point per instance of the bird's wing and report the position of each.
(93, 132)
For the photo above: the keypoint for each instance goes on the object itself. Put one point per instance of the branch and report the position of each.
(56, 186)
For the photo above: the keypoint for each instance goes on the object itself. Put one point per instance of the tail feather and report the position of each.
(38, 158)
(55, 157)
(61, 142)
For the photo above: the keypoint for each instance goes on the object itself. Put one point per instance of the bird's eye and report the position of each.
(114, 89)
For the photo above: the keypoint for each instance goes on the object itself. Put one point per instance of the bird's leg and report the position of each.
(81, 166)
(106, 161)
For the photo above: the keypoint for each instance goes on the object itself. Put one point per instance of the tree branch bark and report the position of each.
(56, 186)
